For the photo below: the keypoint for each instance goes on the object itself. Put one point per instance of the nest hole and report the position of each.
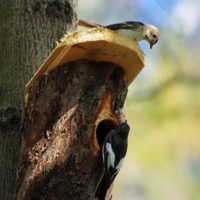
(103, 128)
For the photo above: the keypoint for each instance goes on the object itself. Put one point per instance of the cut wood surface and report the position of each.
(97, 44)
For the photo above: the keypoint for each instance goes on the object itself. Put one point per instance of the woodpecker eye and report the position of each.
(154, 36)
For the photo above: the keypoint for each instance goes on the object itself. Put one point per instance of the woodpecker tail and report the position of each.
(86, 24)
(101, 190)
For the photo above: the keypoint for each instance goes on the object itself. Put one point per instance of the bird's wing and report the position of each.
(100, 186)
(119, 165)
(112, 172)
(109, 159)
(86, 24)
(105, 148)
(125, 25)
(101, 189)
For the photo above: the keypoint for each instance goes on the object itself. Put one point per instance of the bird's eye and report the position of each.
(154, 36)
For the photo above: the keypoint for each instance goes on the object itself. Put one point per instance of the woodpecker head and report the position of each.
(123, 129)
(152, 35)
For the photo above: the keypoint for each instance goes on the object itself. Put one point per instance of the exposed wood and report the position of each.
(69, 112)
(98, 44)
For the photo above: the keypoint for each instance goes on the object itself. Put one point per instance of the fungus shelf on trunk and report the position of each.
(73, 101)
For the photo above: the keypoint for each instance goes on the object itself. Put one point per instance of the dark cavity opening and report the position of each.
(103, 128)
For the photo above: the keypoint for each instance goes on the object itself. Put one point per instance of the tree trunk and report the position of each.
(69, 112)
(28, 32)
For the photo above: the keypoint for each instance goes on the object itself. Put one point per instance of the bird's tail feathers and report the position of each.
(86, 24)
(101, 190)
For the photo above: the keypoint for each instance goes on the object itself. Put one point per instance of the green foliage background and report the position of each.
(163, 160)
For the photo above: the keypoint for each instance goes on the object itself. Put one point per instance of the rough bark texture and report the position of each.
(69, 112)
(28, 32)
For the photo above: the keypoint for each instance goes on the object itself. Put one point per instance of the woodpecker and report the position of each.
(113, 153)
(135, 30)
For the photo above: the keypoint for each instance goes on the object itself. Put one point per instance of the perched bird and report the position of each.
(135, 30)
(113, 153)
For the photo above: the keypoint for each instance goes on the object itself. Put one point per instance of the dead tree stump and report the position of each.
(73, 101)
(70, 110)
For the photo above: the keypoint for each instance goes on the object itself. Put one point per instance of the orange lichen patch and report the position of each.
(97, 44)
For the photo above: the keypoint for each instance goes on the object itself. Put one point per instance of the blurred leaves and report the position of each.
(164, 144)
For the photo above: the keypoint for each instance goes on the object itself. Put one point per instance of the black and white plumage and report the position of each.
(113, 152)
(136, 30)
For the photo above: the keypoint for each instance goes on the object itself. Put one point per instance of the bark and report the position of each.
(70, 110)
(28, 32)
